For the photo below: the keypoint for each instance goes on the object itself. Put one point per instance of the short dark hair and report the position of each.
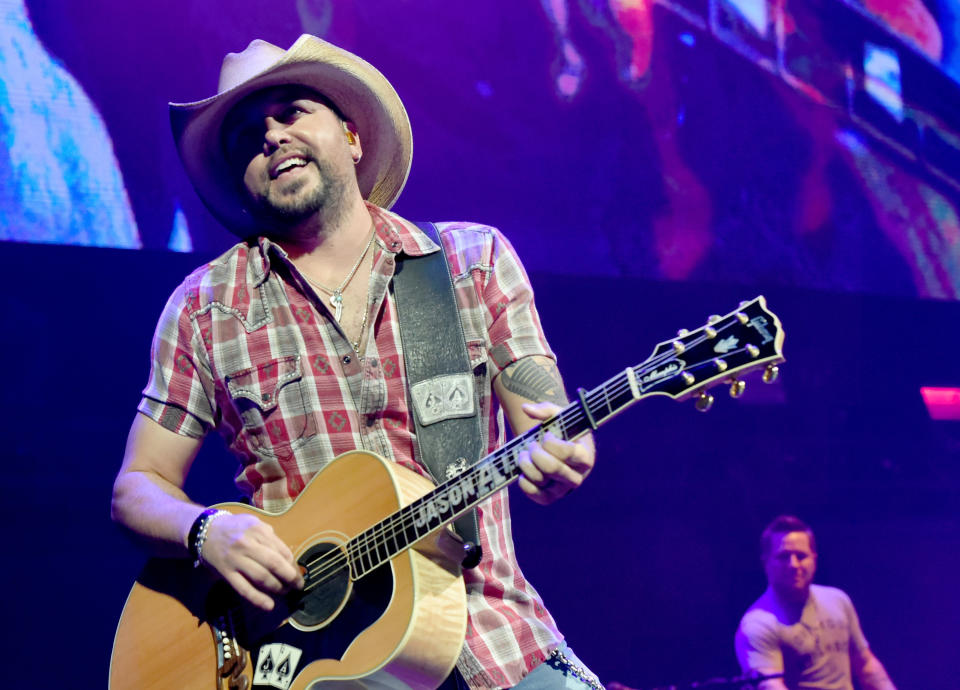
(784, 524)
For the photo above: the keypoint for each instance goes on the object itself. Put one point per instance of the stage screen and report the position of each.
(811, 143)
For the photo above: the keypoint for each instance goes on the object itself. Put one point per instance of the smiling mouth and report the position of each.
(288, 165)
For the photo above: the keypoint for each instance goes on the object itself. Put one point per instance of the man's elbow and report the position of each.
(118, 498)
(872, 675)
(127, 487)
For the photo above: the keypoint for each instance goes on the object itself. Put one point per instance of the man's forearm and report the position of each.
(154, 510)
(873, 676)
(148, 496)
(877, 681)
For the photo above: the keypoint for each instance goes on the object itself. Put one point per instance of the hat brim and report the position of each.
(358, 89)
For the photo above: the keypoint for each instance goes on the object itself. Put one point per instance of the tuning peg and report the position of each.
(704, 402)
(771, 373)
(678, 347)
(753, 350)
(710, 332)
(682, 332)
(737, 387)
(713, 318)
(742, 318)
(720, 364)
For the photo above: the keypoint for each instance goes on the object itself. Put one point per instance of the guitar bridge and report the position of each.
(231, 657)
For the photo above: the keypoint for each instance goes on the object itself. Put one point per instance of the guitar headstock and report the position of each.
(748, 338)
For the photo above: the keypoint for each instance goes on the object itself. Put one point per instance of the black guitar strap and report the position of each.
(446, 404)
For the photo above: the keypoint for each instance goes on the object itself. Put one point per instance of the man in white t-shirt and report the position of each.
(808, 633)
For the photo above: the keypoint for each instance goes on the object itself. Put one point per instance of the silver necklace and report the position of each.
(336, 294)
(363, 324)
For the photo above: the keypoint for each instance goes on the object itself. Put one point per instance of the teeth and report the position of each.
(290, 163)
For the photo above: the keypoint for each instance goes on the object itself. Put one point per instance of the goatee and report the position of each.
(278, 213)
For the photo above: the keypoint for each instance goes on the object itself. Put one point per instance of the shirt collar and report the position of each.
(259, 264)
(394, 233)
(399, 235)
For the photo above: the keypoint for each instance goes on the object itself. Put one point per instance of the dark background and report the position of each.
(639, 207)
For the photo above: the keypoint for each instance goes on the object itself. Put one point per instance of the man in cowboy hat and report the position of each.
(289, 345)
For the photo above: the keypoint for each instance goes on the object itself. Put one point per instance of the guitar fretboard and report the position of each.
(742, 340)
(498, 470)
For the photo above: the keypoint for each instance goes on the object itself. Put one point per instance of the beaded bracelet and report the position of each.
(198, 533)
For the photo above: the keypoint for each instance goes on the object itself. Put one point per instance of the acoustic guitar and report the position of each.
(382, 605)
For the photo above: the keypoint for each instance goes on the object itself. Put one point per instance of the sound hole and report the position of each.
(327, 582)
(327, 591)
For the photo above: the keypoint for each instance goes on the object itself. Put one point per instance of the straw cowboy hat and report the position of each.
(357, 88)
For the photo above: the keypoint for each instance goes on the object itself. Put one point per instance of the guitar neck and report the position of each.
(498, 470)
(745, 339)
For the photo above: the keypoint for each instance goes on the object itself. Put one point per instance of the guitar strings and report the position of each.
(370, 541)
(504, 459)
(326, 566)
(379, 535)
(360, 546)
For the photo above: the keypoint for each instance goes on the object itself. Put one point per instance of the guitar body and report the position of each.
(400, 626)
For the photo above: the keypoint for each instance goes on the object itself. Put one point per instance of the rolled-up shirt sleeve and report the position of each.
(513, 324)
(180, 391)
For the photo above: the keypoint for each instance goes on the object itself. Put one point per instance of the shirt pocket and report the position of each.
(270, 399)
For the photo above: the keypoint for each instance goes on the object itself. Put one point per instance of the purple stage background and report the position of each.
(683, 140)
(653, 163)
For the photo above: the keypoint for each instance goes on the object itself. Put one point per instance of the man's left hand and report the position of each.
(554, 467)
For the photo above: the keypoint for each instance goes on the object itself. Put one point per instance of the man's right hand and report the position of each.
(148, 499)
(252, 558)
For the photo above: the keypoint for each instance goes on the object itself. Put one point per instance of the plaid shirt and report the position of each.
(245, 347)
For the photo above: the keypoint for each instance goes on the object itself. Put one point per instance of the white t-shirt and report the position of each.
(813, 652)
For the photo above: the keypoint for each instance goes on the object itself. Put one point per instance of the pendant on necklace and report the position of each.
(337, 301)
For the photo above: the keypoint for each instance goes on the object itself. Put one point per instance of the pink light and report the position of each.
(942, 403)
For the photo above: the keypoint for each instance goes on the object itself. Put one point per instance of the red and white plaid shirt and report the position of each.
(246, 348)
